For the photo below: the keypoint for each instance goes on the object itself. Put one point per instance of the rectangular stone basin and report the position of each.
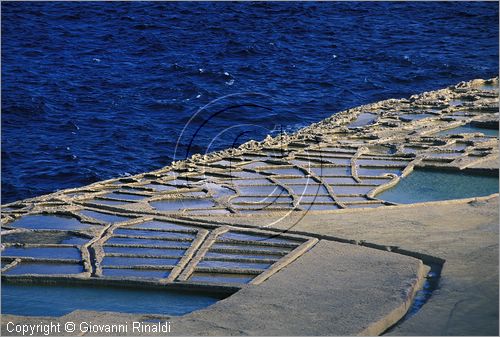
(124, 196)
(227, 246)
(163, 225)
(309, 199)
(322, 171)
(336, 160)
(412, 149)
(381, 162)
(108, 202)
(49, 222)
(373, 171)
(233, 265)
(220, 278)
(468, 128)
(41, 300)
(256, 237)
(352, 189)
(43, 268)
(104, 217)
(286, 171)
(263, 199)
(137, 261)
(339, 180)
(254, 165)
(144, 251)
(149, 242)
(178, 204)
(245, 174)
(258, 181)
(264, 190)
(263, 206)
(414, 117)
(240, 256)
(430, 185)
(296, 181)
(304, 162)
(160, 187)
(138, 232)
(133, 272)
(75, 240)
(313, 189)
(43, 252)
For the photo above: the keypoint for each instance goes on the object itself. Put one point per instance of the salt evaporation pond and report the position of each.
(43, 300)
(468, 128)
(429, 185)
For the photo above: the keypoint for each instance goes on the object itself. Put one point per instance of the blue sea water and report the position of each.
(92, 91)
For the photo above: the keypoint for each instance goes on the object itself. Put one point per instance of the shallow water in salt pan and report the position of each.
(48, 222)
(468, 129)
(110, 218)
(233, 265)
(137, 261)
(44, 269)
(144, 251)
(217, 278)
(40, 300)
(141, 273)
(150, 242)
(178, 204)
(161, 225)
(43, 252)
(427, 185)
(363, 119)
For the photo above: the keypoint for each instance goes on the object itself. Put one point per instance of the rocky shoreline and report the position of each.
(245, 221)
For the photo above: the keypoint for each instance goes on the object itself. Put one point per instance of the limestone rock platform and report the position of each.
(296, 228)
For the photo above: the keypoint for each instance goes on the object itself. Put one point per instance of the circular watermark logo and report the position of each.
(263, 177)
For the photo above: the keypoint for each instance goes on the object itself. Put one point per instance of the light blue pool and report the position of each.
(44, 300)
(428, 185)
(468, 128)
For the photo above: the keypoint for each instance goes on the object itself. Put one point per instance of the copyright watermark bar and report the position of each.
(52, 328)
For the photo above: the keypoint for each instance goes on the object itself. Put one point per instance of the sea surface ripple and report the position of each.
(92, 91)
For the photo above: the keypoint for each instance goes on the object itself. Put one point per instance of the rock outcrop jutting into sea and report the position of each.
(159, 228)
